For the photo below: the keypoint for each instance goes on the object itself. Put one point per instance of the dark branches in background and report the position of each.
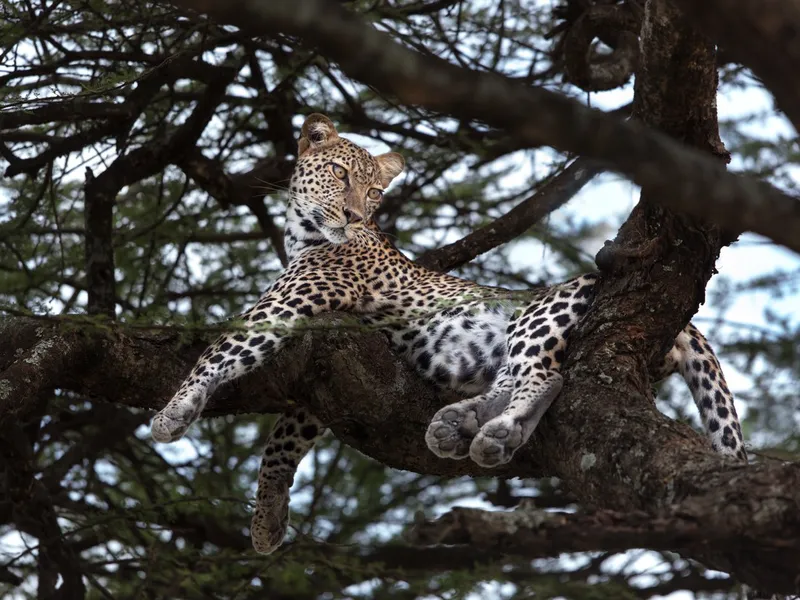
(242, 189)
(533, 533)
(33, 513)
(99, 248)
(147, 160)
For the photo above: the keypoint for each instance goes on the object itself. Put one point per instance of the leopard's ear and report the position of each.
(391, 164)
(317, 131)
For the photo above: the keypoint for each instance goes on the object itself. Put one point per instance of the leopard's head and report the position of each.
(336, 185)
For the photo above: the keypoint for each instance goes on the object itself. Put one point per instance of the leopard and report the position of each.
(500, 350)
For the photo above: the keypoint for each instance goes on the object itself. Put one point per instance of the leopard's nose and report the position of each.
(352, 216)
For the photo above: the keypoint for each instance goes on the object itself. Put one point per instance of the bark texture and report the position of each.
(764, 36)
(530, 532)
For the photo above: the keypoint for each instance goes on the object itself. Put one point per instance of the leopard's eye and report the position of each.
(374, 194)
(338, 172)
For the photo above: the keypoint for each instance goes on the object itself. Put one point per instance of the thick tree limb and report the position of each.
(551, 196)
(376, 404)
(111, 362)
(688, 180)
(530, 533)
(66, 111)
(33, 360)
(98, 218)
(764, 36)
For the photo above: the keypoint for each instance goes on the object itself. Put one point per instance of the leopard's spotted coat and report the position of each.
(503, 350)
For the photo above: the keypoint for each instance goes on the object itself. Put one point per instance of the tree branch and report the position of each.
(764, 36)
(63, 111)
(690, 181)
(375, 403)
(531, 533)
(551, 196)
(99, 247)
(114, 362)
(617, 26)
(33, 361)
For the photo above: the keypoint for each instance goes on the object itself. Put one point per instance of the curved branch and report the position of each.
(551, 196)
(618, 26)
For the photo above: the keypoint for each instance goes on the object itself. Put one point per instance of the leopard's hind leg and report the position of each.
(500, 438)
(536, 341)
(453, 427)
(293, 436)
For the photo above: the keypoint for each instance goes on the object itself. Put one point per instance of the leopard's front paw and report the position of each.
(175, 418)
(270, 518)
(451, 431)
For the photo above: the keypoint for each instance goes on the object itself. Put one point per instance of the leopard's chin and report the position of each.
(336, 235)
(342, 235)
(352, 231)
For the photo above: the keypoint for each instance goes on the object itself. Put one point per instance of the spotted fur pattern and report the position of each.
(503, 349)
